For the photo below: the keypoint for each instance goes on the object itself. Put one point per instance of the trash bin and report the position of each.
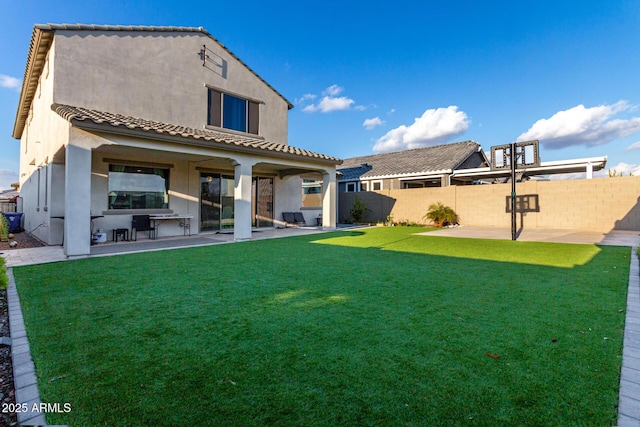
(14, 221)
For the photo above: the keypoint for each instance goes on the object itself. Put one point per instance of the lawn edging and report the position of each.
(629, 404)
(25, 381)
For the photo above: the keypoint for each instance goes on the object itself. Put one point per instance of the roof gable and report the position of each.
(418, 161)
(42, 38)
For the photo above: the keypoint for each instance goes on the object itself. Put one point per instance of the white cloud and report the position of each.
(372, 123)
(330, 101)
(305, 97)
(435, 126)
(583, 126)
(333, 90)
(10, 82)
(7, 177)
(621, 168)
(634, 146)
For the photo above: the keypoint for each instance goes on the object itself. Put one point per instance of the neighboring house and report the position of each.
(459, 163)
(115, 121)
(7, 195)
(420, 167)
(8, 200)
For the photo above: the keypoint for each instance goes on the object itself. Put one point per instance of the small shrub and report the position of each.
(615, 174)
(359, 210)
(4, 228)
(441, 215)
(4, 280)
(389, 221)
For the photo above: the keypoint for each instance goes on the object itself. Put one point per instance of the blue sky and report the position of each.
(371, 76)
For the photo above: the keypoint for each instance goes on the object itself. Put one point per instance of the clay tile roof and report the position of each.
(116, 123)
(418, 161)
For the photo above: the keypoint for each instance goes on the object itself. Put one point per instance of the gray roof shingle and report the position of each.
(117, 123)
(418, 161)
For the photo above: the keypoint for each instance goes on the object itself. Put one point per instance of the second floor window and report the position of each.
(232, 112)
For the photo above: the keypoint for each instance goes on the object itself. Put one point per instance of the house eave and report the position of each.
(178, 139)
(38, 50)
(403, 176)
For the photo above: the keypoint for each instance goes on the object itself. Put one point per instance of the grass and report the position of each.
(376, 327)
(4, 280)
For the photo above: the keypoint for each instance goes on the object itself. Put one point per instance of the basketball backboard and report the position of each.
(527, 154)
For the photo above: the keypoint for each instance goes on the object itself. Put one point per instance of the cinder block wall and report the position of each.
(601, 204)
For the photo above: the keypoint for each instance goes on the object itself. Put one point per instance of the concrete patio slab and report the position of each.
(614, 237)
(47, 254)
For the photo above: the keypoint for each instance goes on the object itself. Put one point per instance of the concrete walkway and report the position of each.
(629, 404)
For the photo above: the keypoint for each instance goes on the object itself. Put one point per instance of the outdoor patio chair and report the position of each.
(288, 218)
(299, 218)
(142, 223)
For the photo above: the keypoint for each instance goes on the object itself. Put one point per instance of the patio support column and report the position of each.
(589, 170)
(329, 206)
(242, 199)
(77, 201)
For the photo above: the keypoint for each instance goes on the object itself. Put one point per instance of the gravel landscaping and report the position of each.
(7, 397)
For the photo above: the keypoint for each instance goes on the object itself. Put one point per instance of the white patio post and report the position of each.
(329, 200)
(589, 170)
(242, 200)
(77, 201)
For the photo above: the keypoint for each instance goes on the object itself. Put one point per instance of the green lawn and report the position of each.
(372, 327)
(4, 281)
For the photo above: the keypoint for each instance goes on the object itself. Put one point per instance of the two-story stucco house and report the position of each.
(116, 121)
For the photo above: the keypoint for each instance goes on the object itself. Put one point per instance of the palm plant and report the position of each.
(441, 215)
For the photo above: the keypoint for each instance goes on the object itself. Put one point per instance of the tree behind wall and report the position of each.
(359, 210)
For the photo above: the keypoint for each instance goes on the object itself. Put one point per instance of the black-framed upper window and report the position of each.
(133, 187)
(232, 112)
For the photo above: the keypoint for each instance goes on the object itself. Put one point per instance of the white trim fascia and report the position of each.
(413, 178)
(592, 160)
(400, 176)
(545, 167)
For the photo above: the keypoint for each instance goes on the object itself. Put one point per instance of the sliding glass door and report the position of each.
(217, 201)
(262, 202)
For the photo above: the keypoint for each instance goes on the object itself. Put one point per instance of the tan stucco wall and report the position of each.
(157, 76)
(601, 204)
(41, 145)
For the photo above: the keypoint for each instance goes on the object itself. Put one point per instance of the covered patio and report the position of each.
(114, 167)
